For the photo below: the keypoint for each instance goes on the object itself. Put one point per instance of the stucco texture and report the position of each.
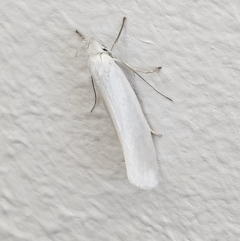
(62, 171)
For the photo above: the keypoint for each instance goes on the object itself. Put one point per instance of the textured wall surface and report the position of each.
(62, 172)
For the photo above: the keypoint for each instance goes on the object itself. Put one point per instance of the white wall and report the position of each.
(62, 172)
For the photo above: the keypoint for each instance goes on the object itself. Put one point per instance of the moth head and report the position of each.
(94, 47)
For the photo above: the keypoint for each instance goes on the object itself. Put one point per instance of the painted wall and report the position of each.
(62, 172)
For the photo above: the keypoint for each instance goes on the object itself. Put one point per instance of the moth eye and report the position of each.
(104, 48)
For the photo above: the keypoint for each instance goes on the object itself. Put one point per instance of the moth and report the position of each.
(126, 114)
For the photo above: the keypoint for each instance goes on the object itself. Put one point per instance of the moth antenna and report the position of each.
(80, 34)
(124, 19)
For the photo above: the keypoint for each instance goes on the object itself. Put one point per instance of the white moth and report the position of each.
(127, 116)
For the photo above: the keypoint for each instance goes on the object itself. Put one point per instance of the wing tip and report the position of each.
(146, 184)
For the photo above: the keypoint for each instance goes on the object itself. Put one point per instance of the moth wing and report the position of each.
(129, 121)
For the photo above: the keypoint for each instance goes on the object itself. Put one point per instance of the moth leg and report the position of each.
(95, 95)
(146, 71)
(134, 71)
(155, 133)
